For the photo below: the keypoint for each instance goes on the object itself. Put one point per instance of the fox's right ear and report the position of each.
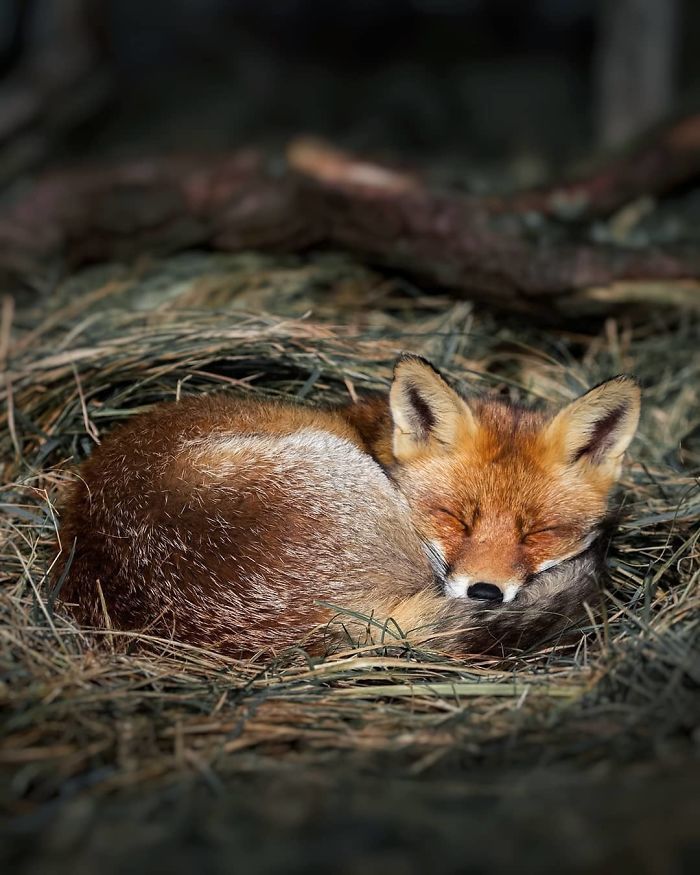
(427, 412)
(597, 427)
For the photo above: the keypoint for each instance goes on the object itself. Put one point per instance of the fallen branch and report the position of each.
(461, 242)
(668, 158)
(477, 247)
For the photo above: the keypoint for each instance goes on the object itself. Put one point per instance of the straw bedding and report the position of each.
(106, 737)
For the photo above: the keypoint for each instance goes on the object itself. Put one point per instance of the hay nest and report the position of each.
(86, 717)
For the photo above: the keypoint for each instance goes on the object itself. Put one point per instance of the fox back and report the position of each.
(226, 524)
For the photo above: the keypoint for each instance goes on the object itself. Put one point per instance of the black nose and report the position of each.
(486, 591)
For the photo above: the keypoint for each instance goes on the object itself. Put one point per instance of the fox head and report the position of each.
(498, 492)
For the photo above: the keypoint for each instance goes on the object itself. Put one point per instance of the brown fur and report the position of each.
(238, 525)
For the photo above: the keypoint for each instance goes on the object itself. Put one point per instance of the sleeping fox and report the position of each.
(467, 524)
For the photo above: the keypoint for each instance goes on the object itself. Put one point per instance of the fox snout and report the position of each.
(490, 565)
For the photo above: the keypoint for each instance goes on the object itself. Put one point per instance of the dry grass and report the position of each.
(85, 716)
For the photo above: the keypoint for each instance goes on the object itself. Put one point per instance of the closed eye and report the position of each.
(560, 530)
(583, 545)
(455, 517)
(553, 563)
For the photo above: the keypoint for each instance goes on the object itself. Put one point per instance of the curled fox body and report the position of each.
(242, 525)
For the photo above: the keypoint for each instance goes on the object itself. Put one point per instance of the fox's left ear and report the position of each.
(598, 427)
(428, 414)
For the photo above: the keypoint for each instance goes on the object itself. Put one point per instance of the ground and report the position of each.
(580, 756)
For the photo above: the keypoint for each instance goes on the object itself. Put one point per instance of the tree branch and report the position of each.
(482, 248)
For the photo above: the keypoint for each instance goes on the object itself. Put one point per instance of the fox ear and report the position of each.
(598, 426)
(426, 411)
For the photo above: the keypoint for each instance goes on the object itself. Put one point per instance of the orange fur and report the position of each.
(239, 524)
(498, 489)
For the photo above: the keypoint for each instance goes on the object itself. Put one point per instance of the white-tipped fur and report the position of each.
(457, 585)
(510, 590)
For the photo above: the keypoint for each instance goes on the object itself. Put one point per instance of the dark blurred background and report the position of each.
(502, 85)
